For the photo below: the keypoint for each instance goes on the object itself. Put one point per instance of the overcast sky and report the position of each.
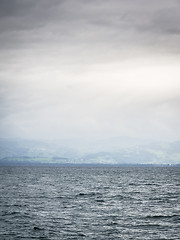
(90, 69)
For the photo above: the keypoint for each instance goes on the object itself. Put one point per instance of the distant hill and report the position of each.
(122, 150)
(167, 153)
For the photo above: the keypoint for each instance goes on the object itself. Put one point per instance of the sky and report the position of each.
(90, 69)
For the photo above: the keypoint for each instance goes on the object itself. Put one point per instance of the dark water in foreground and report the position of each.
(89, 203)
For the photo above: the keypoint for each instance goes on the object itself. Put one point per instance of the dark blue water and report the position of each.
(89, 203)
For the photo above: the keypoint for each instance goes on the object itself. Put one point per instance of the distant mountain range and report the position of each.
(122, 150)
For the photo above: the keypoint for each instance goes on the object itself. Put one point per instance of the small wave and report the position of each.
(81, 235)
(133, 184)
(86, 194)
(146, 226)
(151, 184)
(122, 197)
(156, 199)
(162, 216)
(9, 213)
(37, 228)
(100, 200)
(82, 194)
(59, 197)
(112, 223)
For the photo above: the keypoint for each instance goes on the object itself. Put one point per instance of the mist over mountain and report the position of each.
(121, 150)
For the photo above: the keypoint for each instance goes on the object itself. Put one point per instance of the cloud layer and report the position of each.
(90, 69)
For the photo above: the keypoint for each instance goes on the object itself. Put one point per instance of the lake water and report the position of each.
(89, 203)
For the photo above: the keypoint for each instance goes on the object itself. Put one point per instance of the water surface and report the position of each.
(89, 203)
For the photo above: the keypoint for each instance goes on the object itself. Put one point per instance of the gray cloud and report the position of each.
(102, 68)
(167, 22)
(115, 23)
